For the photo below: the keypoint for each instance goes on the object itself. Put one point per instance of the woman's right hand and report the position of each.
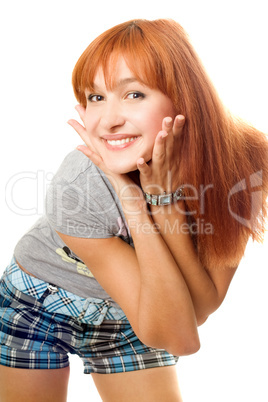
(87, 149)
(129, 193)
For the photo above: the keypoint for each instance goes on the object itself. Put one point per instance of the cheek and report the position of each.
(153, 116)
(152, 128)
(90, 122)
(149, 121)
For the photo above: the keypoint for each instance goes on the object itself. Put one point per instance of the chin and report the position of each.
(123, 169)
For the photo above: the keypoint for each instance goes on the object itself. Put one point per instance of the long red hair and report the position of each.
(223, 161)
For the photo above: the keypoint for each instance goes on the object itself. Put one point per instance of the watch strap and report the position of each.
(164, 199)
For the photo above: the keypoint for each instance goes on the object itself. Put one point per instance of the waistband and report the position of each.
(26, 289)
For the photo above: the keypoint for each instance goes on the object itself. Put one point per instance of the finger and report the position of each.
(85, 150)
(167, 125)
(143, 167)
(159, 150)
(82, 132)
(95, 158)
(79, 129)
(81, 111)
(178, 125)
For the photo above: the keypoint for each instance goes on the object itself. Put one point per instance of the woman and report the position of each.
(144, 229)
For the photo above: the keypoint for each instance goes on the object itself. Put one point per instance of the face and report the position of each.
(122, 123)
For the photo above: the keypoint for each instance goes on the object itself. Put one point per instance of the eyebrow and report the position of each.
(122, 82)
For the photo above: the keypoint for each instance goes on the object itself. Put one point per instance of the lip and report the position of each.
(111, 137)
(119, 137)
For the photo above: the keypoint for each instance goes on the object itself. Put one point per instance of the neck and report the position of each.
(135, 177)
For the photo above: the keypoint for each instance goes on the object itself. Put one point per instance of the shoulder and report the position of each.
(73, 166)
(78, 174)
(80, 200)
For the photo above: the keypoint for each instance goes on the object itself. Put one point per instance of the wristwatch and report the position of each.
(164, 199)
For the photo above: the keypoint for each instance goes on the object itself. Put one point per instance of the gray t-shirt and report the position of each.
(80, 202)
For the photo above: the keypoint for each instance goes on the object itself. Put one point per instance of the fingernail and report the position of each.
(168, 121)
(140, 161)
(180, 117)
(80, 147)
(163, 134)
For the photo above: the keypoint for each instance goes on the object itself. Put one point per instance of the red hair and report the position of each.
(221, 157)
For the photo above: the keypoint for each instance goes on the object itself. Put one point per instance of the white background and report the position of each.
(40, 43)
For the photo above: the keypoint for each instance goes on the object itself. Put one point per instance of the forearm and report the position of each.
(172, 224)
(166, 313)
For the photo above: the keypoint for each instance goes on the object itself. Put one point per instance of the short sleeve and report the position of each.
(81, 202)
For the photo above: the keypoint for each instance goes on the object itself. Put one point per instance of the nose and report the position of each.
(112, 116)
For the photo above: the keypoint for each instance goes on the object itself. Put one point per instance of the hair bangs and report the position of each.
(145, 56)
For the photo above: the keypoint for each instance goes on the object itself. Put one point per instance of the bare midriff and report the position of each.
(24, 270)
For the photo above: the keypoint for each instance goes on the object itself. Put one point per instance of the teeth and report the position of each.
(121, 142)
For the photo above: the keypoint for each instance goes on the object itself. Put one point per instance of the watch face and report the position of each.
(154, 199)
(165, 199)
(148, 198)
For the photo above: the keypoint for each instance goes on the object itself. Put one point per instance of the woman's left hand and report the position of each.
(161, 174)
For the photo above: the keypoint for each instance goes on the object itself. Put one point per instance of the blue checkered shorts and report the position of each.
(40, 324)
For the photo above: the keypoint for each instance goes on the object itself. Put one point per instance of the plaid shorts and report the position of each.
(40, 324)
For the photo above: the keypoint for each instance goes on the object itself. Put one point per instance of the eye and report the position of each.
(135, 95)
(95, 98)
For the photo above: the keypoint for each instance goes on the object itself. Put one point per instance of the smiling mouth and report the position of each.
(121, 142)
